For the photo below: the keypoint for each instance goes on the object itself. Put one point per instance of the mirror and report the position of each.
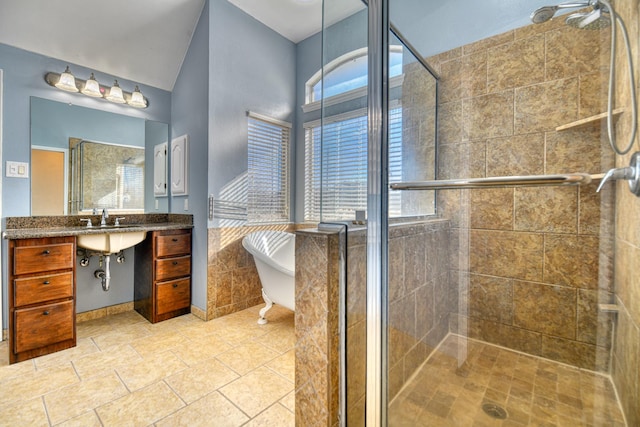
(105, 176)
(57, 127)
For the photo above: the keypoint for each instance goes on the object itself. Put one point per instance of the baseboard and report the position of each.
(198, 312)
(104, 311)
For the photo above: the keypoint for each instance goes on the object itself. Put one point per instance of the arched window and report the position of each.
(336, 148)
(348, 73)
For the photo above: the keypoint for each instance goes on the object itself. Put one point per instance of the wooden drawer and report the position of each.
(173, 244)
(36, 259)
(43, 325)
(32, 290)
(172, 268)
(171, 296)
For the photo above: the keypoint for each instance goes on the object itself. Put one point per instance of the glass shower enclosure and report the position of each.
(492, 283)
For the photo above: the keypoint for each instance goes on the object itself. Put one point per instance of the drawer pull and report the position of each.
(46, 282)
(175, 262)
(46, 313)
(175, 285)
(174, 240)
(46, 252)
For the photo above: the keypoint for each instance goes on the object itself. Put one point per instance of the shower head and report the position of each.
(593, 20)
(545, 13)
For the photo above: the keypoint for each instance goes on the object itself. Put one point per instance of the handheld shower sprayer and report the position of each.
(601, 16)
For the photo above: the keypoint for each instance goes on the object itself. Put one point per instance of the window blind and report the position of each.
(267, 171)
(336, 166)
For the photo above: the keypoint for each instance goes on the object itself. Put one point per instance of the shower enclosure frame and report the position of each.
(377, 256)
(377, 204)
(377, 231)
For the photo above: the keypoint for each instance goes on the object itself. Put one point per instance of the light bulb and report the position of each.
(115, 94)
(67, 81)
(137, 100)
(91, 87)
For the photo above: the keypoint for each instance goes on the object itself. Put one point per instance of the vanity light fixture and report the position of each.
(137, 100)
(68, 82)
(115, 94)
(92, 87)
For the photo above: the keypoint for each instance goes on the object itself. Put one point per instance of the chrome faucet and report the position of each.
(105, 215)
(631, 173)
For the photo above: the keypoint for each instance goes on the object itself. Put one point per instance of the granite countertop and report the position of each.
(40, 227)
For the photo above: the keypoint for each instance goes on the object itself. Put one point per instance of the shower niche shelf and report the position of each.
(588, 120)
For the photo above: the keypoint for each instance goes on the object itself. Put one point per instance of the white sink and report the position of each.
(110, 243)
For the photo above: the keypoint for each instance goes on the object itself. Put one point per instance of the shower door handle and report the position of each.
(630, 173)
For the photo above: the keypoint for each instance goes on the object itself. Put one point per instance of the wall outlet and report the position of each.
(186, 204)
(157, 204)
(17, 169)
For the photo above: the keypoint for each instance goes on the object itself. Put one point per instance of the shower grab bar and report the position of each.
(499, 182)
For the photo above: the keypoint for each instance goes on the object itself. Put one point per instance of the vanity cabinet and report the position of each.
(42, 289)
(162, 283)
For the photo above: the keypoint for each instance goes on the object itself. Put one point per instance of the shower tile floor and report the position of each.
(532, 390)
(126, 371)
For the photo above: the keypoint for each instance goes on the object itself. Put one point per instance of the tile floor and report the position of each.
(181, 372)
(534, 391)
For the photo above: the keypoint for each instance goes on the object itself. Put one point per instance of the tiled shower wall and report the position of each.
(420, 302)
(626, 350)
(530, 263)
(420, 296)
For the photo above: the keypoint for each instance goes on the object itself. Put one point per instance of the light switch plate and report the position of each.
(17, 169)
(186, 204)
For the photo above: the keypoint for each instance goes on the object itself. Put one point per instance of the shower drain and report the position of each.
(494, 411)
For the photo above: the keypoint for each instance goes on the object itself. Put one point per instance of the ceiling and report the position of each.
(144, 41)
(140, 40)
(297, 19)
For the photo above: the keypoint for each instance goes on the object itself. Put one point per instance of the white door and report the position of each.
(48, 181)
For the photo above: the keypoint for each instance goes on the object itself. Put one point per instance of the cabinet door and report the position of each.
(43, 325)
(179, 166)
(160, 169)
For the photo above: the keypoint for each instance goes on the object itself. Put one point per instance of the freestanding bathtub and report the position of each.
(274, 254)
